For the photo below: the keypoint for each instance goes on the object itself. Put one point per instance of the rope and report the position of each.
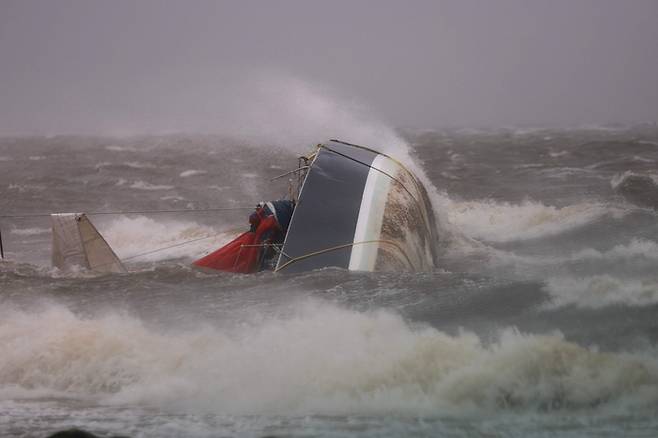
(118, 212)
(337, 247)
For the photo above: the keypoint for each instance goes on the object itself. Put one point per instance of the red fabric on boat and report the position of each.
(233, 257)
(237, 256)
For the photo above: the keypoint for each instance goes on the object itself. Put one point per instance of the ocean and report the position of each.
(541, 319)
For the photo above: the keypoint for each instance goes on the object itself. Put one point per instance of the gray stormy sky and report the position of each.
(85, 66)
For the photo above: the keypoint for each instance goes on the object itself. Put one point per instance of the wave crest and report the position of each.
(602, 290)
(321, 359)
(503, 222)
(129, 236)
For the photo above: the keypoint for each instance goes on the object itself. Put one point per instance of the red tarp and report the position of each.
(238, 256)
(233, 257)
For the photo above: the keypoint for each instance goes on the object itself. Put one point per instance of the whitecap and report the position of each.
(22, 188)
(554, 154)
(617, 180)
(129, 236)
(29, 231)
(172, 198)
(503, 222)
(138, 165)
(116, 148)
(192, 172)
(142, 185)
(602, 290)
(103, 164)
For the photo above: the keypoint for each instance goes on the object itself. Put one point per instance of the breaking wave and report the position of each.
(640, 189)
(599, 291)
(130, 236)
(627, 177)
(503, 222)
(638, 253)
(636, 249)
(296, 114)
(320, 359)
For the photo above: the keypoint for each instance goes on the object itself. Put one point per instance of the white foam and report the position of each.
(173, 198)
(139, 165)
(637, 248)
(29, 231)
(22, 188)
(116, 148)
(641, 159)
(129, 236)
(143, 185)
(319, 359)
(502, 221)
(601, 291)
(192, 172)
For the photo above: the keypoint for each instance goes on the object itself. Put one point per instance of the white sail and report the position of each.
(76, 242)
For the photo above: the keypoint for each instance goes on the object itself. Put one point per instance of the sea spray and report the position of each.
(130, 236)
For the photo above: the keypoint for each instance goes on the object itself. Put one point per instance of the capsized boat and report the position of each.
(353, 208)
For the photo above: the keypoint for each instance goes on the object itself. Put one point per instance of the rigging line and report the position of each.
(118, 212)
(290, 173)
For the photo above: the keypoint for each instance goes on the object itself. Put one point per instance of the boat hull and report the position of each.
(360, 210)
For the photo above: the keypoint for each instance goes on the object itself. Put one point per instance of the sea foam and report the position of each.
(602, 290)
(130, 236)
(503, 222)
(319, 359)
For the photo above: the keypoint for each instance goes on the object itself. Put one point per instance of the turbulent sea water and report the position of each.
(541, 320)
